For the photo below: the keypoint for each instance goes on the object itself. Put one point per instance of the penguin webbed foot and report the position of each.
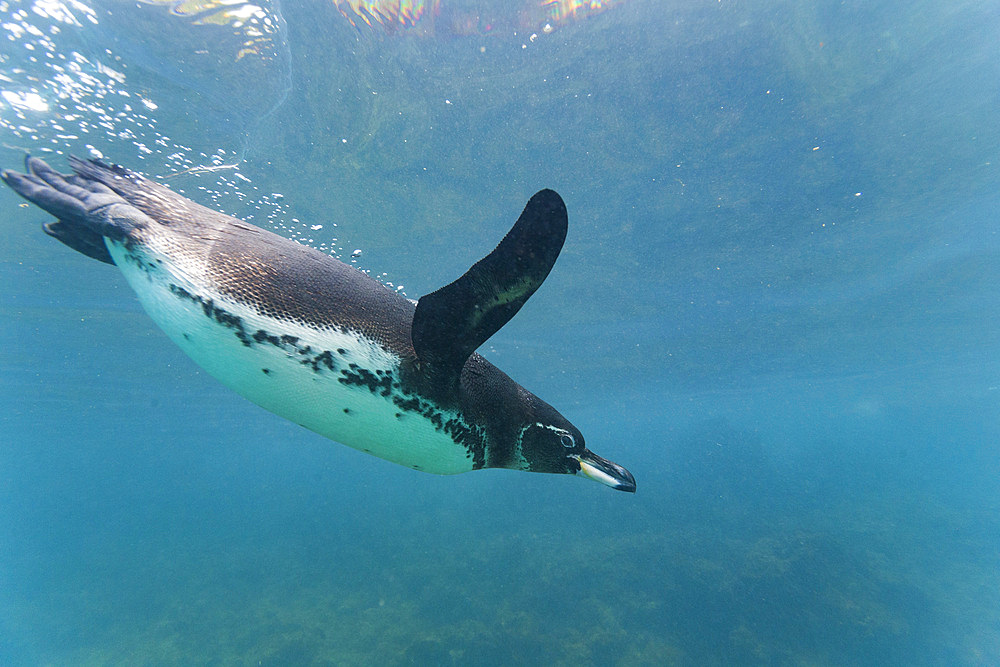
(86, 210)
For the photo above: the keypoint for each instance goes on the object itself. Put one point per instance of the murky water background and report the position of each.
(776, 306)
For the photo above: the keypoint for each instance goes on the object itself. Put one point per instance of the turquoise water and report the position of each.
(777, 306)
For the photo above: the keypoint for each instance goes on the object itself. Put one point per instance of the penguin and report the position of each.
(319, 342)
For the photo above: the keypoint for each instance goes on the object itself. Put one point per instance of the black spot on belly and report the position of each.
(354, 375)
(347, 411)
(262, 336)
(132, 256)
(319, 361)
(220, 315)
(410, 404)
(266, 371)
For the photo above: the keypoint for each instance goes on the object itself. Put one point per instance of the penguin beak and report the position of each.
(605, 472)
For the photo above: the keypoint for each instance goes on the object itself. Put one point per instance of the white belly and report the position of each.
(295, 371)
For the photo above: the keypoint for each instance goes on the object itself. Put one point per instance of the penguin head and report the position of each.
(550, 443)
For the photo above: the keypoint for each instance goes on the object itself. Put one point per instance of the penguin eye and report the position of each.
(567, 440)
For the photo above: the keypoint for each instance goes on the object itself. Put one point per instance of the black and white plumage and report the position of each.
(320, 343)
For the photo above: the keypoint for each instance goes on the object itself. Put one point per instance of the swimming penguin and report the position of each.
(321, 343)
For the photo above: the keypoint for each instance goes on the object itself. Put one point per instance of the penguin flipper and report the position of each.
(450, 323)
(87, 211)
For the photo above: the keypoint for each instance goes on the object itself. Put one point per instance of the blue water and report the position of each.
(777, 306)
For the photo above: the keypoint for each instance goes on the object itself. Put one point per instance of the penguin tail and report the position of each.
(86, 210)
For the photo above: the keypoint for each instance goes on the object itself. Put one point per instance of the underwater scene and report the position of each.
(777, 306)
